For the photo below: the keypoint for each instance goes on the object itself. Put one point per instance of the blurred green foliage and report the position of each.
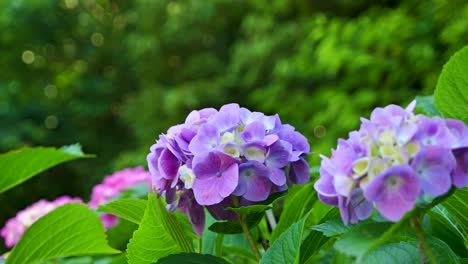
(113, 75)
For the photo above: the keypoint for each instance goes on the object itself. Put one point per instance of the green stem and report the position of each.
(245, 228)
(424, 249)
(200, 245)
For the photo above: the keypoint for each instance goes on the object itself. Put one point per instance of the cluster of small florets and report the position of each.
(113, 185)
(15, 227)
(394, 160)
(218, 154)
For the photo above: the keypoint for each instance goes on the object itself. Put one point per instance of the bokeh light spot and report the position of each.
(51, 122)
(320, 131)
(97, 39)
(70, 4)
(28, 57)
(50, 91)
(173, 8)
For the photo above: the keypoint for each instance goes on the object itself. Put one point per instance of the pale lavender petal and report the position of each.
(436, 181)
(207, 139)
(254, 151)
(253, 177)
(254, 131)
(230, 108)
(206, 191)
(393, 206)
(230, 178)
(225, 121)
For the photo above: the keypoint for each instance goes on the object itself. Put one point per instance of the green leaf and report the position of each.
(130, 209)
(260, 207)
(407, 252)
(191, 258)
(295, 207)
(331, 228)
(425, 105)
(234, 227)
(286, 248)
(315, 239)
(357, 241)
(19, 165)
(159, 235)
(457, 206)
(70, 230)
(451, 94)
(403, 252)
(443, 225)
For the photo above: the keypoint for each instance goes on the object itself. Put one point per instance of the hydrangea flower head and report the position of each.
(215, 155)
(15, 227)
(393, 160)
(112, 186)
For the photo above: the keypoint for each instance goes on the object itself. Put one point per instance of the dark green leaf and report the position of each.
(70, 230)
(286, 248)
(260, 207)
(295, 207)
(130, 209)
(234, 227)
(451, 94)
(191, 258)
(457, 206)
(19, 165)
(159, 235)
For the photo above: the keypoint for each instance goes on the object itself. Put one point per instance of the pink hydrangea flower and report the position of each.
(15, 227)
(113, 185)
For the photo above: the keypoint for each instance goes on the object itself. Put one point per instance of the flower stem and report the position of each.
(423, 246)
(245, 228)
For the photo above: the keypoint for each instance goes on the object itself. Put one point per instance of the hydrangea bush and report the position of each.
(394, 160)
(410, 164)
(226, 158)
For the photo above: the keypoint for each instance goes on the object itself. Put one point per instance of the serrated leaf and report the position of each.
(19, 165)
(295, 207)
(70, 230)
(451, 94)
(159, 235)
(130, 209)
(286, 248)
(191, 258)
(357, 241)
(331, 228)
(425, 105)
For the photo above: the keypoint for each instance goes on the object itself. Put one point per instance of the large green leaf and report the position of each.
(407, 252)
(131, 209)
(191, 258)
(286, 248)
(451, 94)
(331, 228)
(296, 206)
(359, 239)
(159, 235)
(457, 206)
(70, 230)
(19, 165)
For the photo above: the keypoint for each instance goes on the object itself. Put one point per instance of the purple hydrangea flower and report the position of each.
(216, 155)
(113, 185)
(394, 159)
(15, 227)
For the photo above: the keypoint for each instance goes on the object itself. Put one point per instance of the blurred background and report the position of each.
(112, 75)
